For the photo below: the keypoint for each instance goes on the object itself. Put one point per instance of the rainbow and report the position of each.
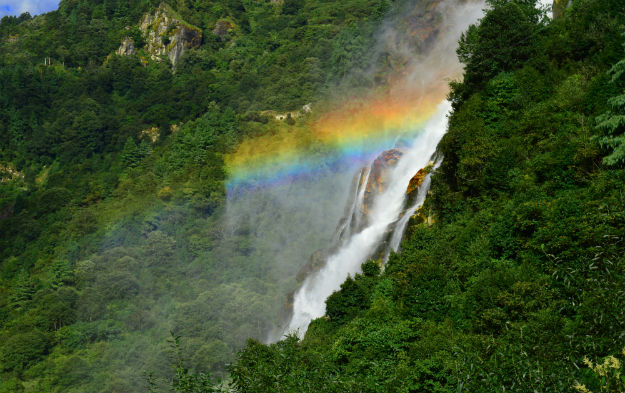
(351, 135)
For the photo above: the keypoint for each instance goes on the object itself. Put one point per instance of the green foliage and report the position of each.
(21, 350)
(130, 154)
(281, 367)
(183, 380)
(344, 304)
(62, 273)
(610, 373)
(504, 39)
(613, 121)
(371, 268)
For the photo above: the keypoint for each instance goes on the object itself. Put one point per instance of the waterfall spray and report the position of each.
(309, 300)
(285, 189)
(386, 216)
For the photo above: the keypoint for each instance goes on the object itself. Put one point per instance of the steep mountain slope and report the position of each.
(520, 278)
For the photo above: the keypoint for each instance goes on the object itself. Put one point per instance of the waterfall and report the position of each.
(360, 235)
(353, 216)
(401, 225)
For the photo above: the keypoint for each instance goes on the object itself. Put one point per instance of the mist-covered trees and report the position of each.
(110, 228)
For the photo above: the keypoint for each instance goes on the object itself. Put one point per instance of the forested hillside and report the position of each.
(115, 120)
(518, 285)
(113, 179)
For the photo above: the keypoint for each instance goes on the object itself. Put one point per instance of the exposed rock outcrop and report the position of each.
(413, 187)
(127, 47)
(416, 181)
(167, 35)
(306, 109)
(378, 178)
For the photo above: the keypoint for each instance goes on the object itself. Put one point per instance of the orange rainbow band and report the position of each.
(350, 135)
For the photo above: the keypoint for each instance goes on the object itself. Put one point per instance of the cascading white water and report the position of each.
(401, 225)
(309, 300)
(353, 217)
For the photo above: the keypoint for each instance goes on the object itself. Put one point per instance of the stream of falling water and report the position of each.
(358, 246)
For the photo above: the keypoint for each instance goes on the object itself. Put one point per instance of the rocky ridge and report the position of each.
(165, 35)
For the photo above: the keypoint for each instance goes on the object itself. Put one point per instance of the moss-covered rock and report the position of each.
(166, 34)
(127, 47)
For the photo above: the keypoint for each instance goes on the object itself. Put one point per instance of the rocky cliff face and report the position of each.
(412, 194)
(127, 47)
(166, 35)
(378, 178)
(416, 181)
